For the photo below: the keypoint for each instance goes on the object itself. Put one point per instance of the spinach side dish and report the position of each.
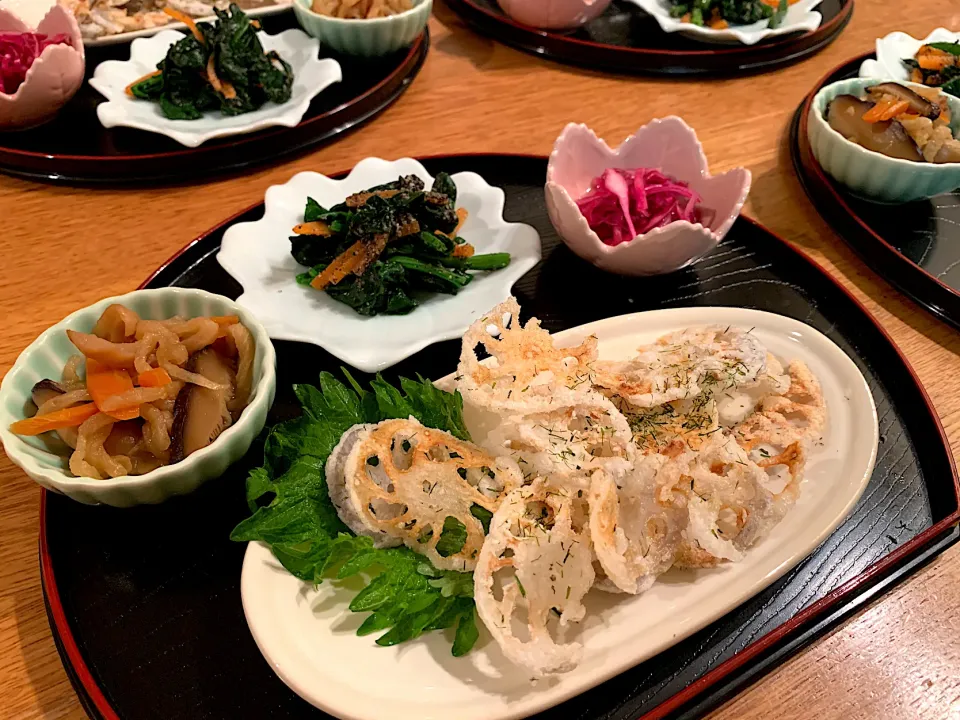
(384, 249)
(219, 66)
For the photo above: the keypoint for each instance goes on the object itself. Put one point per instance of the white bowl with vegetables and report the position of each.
(140, 397)
(877, 139)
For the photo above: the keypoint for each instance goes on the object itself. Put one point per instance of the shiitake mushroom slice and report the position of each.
(845, 115)
(201, 414)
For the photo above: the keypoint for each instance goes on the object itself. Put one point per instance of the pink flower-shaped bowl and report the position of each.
(52, 79)
(668, 145)
(553, 14)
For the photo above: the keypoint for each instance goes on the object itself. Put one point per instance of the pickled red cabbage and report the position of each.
(17, 53)
(622, 204)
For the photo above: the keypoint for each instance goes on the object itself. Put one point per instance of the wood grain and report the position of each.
(66, 248)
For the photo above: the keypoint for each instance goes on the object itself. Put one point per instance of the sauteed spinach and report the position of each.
(383, 249)
(220, 66)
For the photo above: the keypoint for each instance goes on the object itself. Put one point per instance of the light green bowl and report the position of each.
(870, 174)
(46, 463)
(367, 38)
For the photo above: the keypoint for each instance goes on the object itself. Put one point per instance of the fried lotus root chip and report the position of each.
(635, 534)
(684, 364)
(401, 482)
(567, 443)
(734, 406)
(527, 373)
(799, 414)
(536, 563)
(673, 427)
(727, 507)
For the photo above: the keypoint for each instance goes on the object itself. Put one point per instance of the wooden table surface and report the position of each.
(65, 248)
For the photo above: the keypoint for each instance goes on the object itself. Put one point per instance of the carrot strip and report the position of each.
(875, 114)
(224, 88)
(317, 227)
(186, 20)
(465, 250)
(158, 377)
(68, 417)
(343, 265)
(896, 109)
(129, 89)
(718, 24)
(104, 382)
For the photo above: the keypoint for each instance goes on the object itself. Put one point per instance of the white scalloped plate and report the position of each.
(257, 255)
(110, 79)
(894, 48)
(308, 635)
(801, 17)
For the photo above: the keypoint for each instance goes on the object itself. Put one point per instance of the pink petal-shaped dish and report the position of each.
(52, 79)
(669, 145)
(553, 14)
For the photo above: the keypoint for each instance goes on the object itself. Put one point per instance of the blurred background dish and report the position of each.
(554, 14)
(371, 37)
(893, 49)
(42, 69)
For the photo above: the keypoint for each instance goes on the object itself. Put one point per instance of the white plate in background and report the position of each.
(801, 17)
(111, 78)
(896, 47)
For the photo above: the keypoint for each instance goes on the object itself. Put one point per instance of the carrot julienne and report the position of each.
(343, 265)
(104, 383)
(68, 417)
(158, 377)
(129, 88)
(186, 20)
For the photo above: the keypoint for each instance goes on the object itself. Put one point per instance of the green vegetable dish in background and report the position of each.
(293, 514)
(386, 248)
(720, 13)
(220, 66)
(937, 65)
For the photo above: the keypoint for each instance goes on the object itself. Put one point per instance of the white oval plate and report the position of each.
(800, 18)
(257, 255)
(894, 48)
(110, 79)
(308, 635)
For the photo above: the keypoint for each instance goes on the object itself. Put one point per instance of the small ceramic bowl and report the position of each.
(869, 174)
(669, 145)
(367, 38)
(52, 79)
(554, 14)
(45, 358)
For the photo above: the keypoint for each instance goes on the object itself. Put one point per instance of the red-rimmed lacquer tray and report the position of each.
(75, 148)
(915, 246)
(625, 39)
(145, 602)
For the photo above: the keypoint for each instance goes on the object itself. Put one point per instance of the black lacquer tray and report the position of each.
(145, 602)
(76, 148)
(915, 246)
(625, 39)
